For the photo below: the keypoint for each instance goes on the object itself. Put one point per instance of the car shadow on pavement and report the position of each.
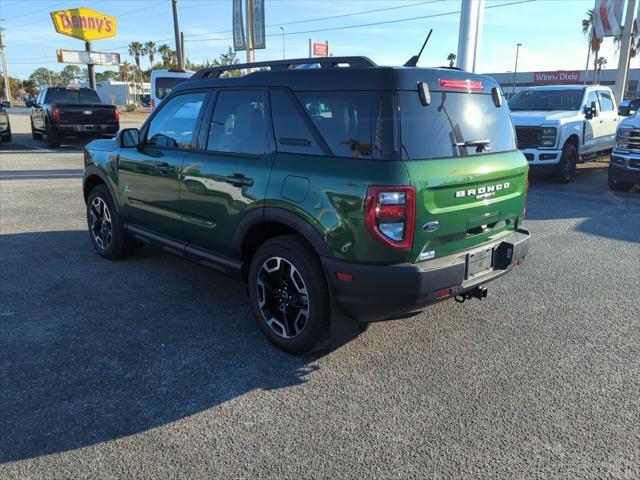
(93, 350)
(587, 199)
(21, 142)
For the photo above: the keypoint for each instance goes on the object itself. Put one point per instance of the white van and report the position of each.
(163, 81)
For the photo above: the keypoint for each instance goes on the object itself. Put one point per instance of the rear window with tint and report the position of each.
(72, 95)
(441, 129)
(164, 85)
(343, 119)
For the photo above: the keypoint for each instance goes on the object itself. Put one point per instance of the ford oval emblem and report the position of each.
(431, 226)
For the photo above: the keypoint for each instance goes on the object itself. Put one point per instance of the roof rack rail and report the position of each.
(324, 62)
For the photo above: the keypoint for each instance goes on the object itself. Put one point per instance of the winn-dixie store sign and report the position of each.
(545, 78)
(84, 24)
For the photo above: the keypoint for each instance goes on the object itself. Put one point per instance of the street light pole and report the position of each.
(176, 31)
(283, 55)
(5, 73)
(515, 70)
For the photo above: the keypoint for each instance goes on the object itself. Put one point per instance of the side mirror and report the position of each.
(590, 111)
(6, 104)
(128, 138)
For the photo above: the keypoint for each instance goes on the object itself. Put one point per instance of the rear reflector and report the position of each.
(468, 85)
(344, 277)
(443, 293)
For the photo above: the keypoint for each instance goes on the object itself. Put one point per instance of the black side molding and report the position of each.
(202, 256)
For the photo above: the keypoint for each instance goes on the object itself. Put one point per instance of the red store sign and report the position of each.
(545, 78)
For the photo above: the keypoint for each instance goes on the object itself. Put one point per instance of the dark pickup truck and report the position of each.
(72, 112)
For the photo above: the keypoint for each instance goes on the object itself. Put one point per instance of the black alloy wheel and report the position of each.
(282, 297)
(100, 223)
(289, 295)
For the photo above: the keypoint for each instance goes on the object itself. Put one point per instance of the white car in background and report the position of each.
(561, 125)
(163, 81)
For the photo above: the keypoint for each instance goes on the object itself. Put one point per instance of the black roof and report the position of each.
(365, 75)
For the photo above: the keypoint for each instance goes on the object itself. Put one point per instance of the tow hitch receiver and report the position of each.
(479, 292)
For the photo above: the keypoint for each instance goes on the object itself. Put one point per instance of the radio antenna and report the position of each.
(413, 61)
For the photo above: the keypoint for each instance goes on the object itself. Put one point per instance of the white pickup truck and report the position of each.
(561, 125)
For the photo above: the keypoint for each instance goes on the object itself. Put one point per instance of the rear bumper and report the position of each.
(379, 292)
(87, 129)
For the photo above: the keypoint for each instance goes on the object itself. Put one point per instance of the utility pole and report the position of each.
(90, 67)
(251, 54)
(5, 73)
(467, 34)
(176, 31)
(625, 47)
(182, 49)
(515, 70)
(478, 35)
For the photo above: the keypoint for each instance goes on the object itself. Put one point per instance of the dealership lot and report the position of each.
(152, 366)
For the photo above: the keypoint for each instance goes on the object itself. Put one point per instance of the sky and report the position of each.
(549, 30)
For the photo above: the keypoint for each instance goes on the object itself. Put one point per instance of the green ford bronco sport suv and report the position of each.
(373, 190)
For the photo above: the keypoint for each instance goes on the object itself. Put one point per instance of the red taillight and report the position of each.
(390, 215)
(55, 114)
(344, 277)
(468, 85)
(116, 114)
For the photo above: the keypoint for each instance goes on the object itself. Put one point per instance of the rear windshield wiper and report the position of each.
(481, 145)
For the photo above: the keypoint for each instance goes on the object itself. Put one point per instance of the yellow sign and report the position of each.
(84, 24)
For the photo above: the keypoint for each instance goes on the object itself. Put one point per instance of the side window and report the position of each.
(606, 102)
(239, 123)
(292, 133)
(592, 97)
(174, 125)
(343, 119)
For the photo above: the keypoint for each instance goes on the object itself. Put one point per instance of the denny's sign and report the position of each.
(84, 24)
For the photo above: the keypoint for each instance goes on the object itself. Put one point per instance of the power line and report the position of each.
(331, 17)
(372, 24)
(385, 22)
(36, 11)
(48, 18)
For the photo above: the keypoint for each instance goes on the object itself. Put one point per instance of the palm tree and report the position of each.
(451, 58)
(136, 50)
(150, 48)
(125, 71)
(600, 63)
(594, 42)
(165, 52)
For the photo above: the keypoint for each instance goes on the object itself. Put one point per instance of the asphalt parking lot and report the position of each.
(152, 367)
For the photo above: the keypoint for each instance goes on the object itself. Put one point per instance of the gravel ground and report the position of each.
(152, 367)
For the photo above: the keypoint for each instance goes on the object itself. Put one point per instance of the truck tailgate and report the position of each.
(464, 202)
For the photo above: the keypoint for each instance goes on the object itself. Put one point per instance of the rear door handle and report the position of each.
(239, 180)
(164, 168)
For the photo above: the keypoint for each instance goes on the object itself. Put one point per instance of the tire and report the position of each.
(35, 135)
(104, 227)
(567, 165)
(289, 295)
(53, 138)
(6, 137)
(618, 185)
